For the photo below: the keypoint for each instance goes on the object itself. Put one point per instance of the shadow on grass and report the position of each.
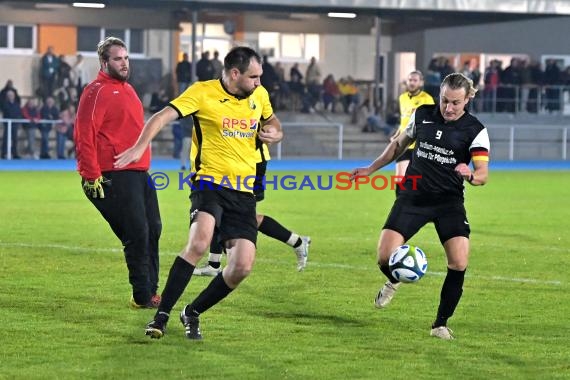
(308, 318)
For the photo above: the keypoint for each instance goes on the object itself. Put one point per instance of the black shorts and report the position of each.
(233, 210)
(450, 219)
(406, 156)
(259, 184)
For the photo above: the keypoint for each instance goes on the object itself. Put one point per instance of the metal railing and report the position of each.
(524, 98)
(513, 138)
(338, 126)
(524, 138)
(8, 129)
(286, 125)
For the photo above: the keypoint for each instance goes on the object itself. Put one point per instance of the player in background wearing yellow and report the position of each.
(229, 115)
(409, 101)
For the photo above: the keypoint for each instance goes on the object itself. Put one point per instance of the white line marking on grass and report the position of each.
(279, 262)
(60, 246)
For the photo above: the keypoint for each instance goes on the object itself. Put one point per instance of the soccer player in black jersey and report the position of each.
(447, 139)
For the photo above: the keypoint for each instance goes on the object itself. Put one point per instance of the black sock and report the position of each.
(386, 270)
(272, 228)
(298, 242)
(450, 295)
(178, 278)
(216, 291)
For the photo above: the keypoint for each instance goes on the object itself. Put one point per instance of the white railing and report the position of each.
(8, 129)
(499, 134)
(338, 126)
(286, 125)
(537, 136)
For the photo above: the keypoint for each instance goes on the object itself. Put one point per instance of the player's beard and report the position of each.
(414, 91)
(244, 92)
(119, 74)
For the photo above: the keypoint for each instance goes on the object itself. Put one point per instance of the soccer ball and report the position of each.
(408, 263)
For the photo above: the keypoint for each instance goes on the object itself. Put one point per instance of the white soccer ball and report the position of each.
(408, 263)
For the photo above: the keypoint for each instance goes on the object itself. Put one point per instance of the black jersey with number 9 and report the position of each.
(441, 146)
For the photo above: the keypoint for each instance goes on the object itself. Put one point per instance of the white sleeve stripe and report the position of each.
(481, 140)
(411, 127)
(95, 103)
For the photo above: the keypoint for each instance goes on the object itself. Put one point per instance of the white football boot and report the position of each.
(302, 252)
(386, 294)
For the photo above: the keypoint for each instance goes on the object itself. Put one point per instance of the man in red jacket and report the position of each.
(110, 118)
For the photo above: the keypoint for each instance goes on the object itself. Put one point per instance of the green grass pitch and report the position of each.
(64, 291)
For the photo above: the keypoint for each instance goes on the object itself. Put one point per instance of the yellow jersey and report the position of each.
(408, 105)
(225, 131)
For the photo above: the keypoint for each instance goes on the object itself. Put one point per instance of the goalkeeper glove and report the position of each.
(94, 189)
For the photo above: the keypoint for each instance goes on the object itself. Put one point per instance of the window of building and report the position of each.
(209, 37)
(17, 39)
(89, 37)
(298, 47)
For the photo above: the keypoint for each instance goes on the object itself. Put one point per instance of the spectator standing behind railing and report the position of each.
(31, 111)
(296, 79)
(204, 67)
(269, 78)
(314, 81)
(183, 73)
(283, 89)
(49, 111)
(536, 79)
(78, 73)
(11, 110)
(296, 85)
(507, 97)
(64, 130)
(552, 78)
(63, 72)
(491, 81)
(217, 65)
(49, 67)
(471, 71)
(9, 86)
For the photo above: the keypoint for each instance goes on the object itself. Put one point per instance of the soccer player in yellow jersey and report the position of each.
(229, 114)
(414, 97)
(265, 224)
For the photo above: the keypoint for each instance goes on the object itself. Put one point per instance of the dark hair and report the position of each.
(240, 58)
(104, 46)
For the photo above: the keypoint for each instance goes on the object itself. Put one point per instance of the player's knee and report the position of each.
(458, 265)
(237, 272)
(197, 248)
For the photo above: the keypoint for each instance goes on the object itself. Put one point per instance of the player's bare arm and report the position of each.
(151, 128)
(477, 177)
(271, 131)
(394, 149)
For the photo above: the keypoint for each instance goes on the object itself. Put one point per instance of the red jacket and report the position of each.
(110, 119)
